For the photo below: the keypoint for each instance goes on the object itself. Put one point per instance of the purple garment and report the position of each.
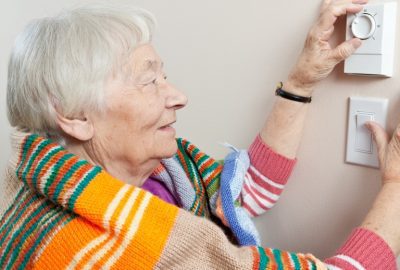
(160, 190)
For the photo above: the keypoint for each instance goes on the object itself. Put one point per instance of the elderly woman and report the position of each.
(98, 180)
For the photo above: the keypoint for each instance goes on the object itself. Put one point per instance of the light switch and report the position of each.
(376, 26)
(363, 135)
(360, 147)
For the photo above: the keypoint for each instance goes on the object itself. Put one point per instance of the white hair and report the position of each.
(64, 61)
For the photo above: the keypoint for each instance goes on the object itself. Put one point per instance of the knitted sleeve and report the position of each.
(196, 243)
(265, 178)
(140, 231)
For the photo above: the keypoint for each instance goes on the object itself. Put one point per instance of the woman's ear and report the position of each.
(79, 128)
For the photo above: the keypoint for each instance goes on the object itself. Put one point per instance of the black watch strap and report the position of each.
(282, 93)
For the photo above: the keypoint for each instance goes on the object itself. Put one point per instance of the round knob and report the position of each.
(363, 26)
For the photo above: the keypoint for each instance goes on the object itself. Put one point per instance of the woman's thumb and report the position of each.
(380, 137)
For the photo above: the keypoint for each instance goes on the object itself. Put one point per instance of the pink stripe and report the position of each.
(264, 184)
(369, 249)
(249, 209)
(340, 263)
(257, 201)
(268, 162)
(253, 192)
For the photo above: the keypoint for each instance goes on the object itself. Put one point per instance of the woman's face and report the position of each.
(137, 124)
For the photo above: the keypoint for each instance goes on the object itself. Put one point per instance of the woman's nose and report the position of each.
(176, 99)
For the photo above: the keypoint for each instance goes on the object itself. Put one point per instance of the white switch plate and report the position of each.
(360, 147)
(375, 57)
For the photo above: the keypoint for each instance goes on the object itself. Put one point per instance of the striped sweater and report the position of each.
(60, 212)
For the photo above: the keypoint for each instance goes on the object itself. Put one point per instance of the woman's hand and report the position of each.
(318, 58)
(384, 216)
(388, 152)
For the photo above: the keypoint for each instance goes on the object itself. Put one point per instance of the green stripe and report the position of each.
(82, 185)
(14, 206)
(67, 176)
(43, 234)
(313, 266)
(213, 186)
(278, 258)
(185, 161)
(55, 172)
(59, 164)
(295, 260)
(25, 148)
(43, 219)
(210, 169)
(16, 218)
(45, 160)
(202, 160)
(19, 231)
(32, 158)
(195, 211)
(264, 260)
(194, 153)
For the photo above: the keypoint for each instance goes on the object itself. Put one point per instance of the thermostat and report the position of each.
(375, 25)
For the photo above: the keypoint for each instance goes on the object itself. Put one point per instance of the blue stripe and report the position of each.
(228, 205)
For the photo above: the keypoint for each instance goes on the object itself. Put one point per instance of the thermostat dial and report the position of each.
(363, 26)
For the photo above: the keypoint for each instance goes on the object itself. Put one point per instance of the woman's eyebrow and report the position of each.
(153, 64)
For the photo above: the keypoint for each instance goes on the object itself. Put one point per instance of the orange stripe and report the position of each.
(38, 158)
(152, 236)
(286, 260)
(65, 168)
(50, 163)
(112, 235)
(59, 253)
(212, 176)
(273, 265)
(96, 197)
(124, 230)
(76, 177)
(114, 218)
(256, 258)
(205, 165)
(303, 262)
(28, 155)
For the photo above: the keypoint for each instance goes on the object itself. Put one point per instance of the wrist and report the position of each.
(298, 88)
(384, 216)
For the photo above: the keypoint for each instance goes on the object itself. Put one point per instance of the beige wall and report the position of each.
(227, 57)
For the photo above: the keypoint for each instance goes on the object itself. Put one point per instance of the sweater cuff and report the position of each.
(271, 164)
(364, 248)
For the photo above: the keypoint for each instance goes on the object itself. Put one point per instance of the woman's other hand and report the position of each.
(388, 152)
(384, 216)
(318, 58)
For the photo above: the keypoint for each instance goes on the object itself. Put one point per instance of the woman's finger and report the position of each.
(381, 139)
(330, 14)
(345, 49)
